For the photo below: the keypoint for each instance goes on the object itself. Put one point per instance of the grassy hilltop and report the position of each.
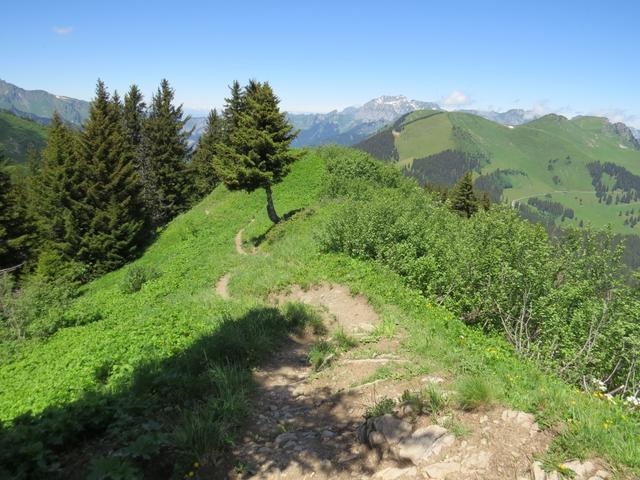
(18, 134)
(546, 159)
(131, 370)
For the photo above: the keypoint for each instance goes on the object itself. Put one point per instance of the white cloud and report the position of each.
(62, 30)
(616, 115)
(456, 99)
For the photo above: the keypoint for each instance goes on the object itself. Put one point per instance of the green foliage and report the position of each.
(39, 307)
(514, 163)
(167, 189)
(256, 151)
(111, 215)
(343, 341)
(384, 406)
(121, 383)
(463, 197)
(56, 194)
(562, 302)
(202, 163)
(209, 427)
(136, 276)
(474, 392)
(321, 354)
(10, 222)
(18, 135)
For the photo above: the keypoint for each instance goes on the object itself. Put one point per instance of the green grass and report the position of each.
(474, 392)
(145, 366)
(18, 134)
(384, 406)
(528, 148)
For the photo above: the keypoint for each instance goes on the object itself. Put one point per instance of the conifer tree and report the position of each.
(256, 153)
(166, 185)
(54, 193)
(486, 201)
(134, 115)
(111, 207)
(233, 108)
(204, 176)
(9, 222)
(463, 197)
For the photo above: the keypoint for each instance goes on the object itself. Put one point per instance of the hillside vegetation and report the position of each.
(551, 159)
(17, 135)
(149, 370)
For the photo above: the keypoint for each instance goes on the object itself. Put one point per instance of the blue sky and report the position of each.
(566, 56)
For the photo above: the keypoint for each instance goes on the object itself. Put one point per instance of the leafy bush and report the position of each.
(562, 303)
(37, 307)
(136, 276)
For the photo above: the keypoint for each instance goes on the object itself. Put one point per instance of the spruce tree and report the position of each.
(204, 176)
(463, 197)
(9, 221)
(167, 189)
(54, 194)
(233, 108)
(134, 116)
(256, 153)
(111, 207)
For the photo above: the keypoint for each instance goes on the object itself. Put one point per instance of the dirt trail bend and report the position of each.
(308, 424)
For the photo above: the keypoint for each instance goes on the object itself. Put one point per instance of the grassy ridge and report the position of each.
(570, 144)
(178, 316)
(18, 134)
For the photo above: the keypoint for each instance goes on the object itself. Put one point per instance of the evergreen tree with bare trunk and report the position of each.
(256, 150)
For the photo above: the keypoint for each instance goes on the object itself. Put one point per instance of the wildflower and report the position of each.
(191, 474)
(196, 465)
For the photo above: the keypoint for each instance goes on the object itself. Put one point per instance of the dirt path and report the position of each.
(238, 241)
(310, 424)
(222, 287)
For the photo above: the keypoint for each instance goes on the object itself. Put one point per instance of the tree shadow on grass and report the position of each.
(258, 240)
(170, 413)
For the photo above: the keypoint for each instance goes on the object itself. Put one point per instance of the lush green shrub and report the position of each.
(136, 276)
(37, 306)
(561, 302)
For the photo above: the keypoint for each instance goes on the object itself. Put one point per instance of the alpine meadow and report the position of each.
(294, 284)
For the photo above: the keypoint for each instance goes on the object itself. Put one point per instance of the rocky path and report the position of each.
(307, 424)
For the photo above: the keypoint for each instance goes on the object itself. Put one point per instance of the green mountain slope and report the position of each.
(18, 134)
(139, 374)
(40, 105)
(546, 159)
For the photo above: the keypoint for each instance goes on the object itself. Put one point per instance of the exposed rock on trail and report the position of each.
(310, 424)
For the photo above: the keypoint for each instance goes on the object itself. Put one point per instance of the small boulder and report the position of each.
(423, 443)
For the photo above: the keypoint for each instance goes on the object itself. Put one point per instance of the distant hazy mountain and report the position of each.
(39, 105)
(516, 116)
(353, 124)
(636, 132)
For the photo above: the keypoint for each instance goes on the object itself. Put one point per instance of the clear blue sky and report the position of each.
(568, 56)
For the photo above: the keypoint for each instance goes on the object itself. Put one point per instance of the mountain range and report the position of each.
(346, 127)
(572, 171)
(39, 105)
